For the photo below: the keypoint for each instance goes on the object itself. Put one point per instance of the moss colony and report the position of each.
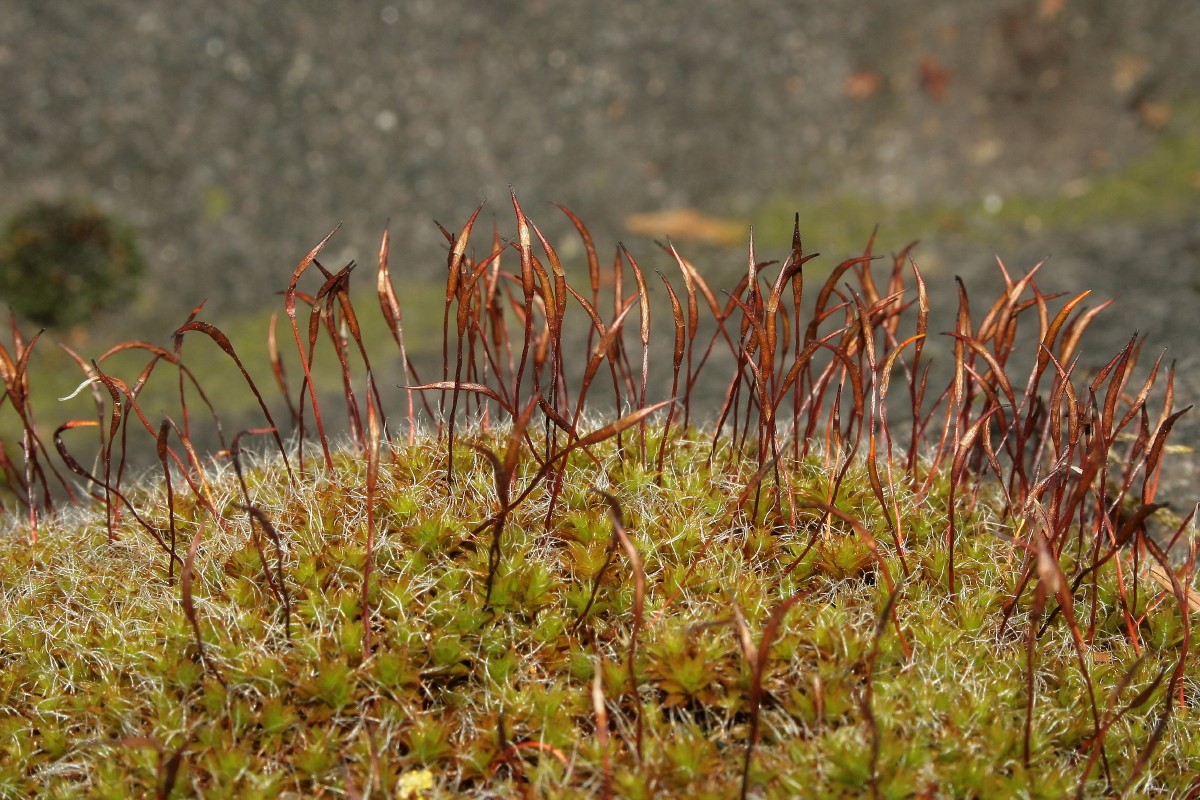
(536, 575)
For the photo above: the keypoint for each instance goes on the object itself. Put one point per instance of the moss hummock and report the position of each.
(103, 681)
(853, 582)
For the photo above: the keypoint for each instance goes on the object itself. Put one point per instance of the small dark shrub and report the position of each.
(60, 263)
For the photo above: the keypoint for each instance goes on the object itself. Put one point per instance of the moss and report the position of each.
(540, 601)
(950, 715)
(62, 262)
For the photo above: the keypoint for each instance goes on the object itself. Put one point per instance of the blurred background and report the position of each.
(232, 136)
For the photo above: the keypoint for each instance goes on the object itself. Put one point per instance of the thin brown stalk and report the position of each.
(305, 358)
(276, 581)
(644, 335)
(161, 449)
(639, 599)
(676, 362)
(759, 666)
(189, 606)
(601, 714)
(373, 445)
(223, 342)
(503, 472)
(277, 368)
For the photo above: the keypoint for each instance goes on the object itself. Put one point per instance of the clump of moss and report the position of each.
(905, 688)
(62, 262)
(849, 583)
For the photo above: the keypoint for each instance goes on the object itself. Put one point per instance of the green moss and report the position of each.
(653, 614)
(62, 262)
(950, 716)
